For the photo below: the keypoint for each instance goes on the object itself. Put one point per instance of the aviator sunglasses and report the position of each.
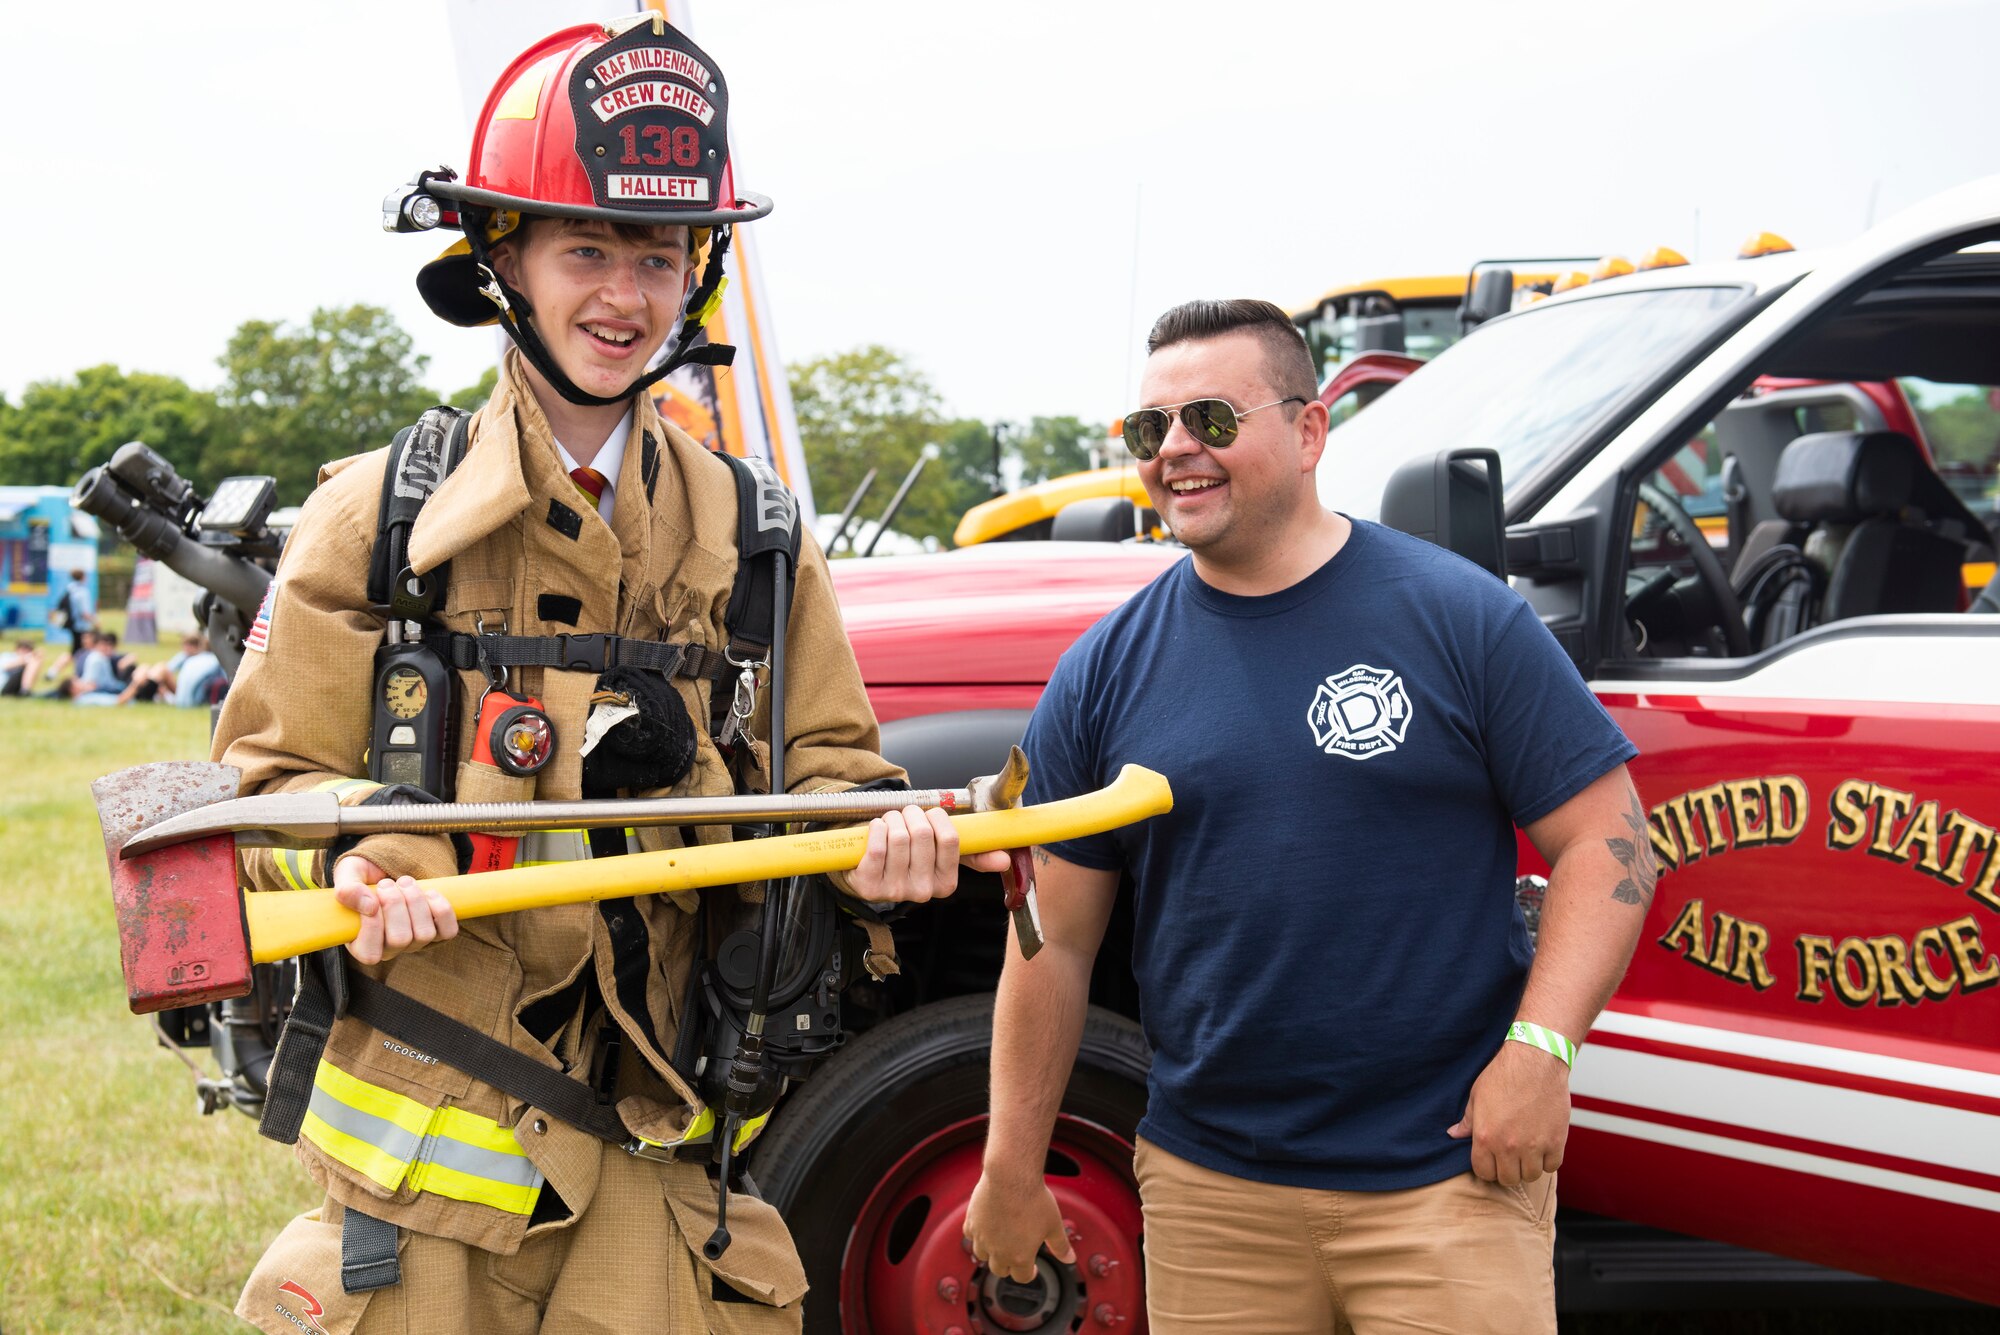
(1210, 421)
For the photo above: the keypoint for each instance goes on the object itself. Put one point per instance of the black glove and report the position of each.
(652, 749)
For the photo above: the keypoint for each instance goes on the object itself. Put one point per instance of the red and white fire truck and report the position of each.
(1798, 1083)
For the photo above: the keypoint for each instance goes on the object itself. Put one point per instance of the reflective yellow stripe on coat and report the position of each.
(701, 1131)
(395, 1141)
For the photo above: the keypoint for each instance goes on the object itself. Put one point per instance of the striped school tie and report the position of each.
(590, 482)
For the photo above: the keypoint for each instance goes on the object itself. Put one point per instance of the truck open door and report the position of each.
(1804, 1057)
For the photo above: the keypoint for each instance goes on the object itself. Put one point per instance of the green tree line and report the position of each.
(292, 397)
(875, 408)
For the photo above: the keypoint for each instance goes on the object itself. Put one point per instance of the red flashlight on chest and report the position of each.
(515, 737)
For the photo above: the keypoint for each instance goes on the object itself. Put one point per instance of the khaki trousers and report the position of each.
(623, 1268)
(1462, 1256)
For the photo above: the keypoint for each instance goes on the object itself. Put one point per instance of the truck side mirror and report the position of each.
(1098, 519)
(1451, 498)
(1491, 294)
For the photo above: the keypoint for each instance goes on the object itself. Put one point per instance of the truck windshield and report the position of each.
(1523, 386)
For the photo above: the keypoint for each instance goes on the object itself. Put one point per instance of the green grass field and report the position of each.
(120, 1208)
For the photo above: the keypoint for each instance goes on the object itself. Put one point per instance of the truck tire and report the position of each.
(872, 1162)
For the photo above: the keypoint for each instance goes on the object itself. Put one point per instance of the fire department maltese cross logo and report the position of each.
(1361, 712)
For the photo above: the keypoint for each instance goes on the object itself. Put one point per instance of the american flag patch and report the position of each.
(259, 637)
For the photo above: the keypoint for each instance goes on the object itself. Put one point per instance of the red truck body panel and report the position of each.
(1803, 1001)
(980, 628)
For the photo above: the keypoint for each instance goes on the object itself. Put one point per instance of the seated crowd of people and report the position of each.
(97, 673)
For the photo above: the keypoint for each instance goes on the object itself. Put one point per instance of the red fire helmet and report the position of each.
(624, 121)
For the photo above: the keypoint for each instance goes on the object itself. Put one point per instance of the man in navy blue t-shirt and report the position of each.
(1339, 1133)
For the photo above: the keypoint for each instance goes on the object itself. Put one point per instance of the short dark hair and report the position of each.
(1287, 362)
(109, 637)
(636, 232)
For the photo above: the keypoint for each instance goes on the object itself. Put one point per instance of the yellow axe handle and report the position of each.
(284, 923)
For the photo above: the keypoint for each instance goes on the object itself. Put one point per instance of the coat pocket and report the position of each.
(393, 1147)
(378, 1101)
(760, 1271)
(478, 781)
(296, 1285)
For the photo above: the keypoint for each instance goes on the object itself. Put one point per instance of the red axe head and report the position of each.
(182, 939)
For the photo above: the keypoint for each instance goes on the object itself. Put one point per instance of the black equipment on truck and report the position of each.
(224, 543)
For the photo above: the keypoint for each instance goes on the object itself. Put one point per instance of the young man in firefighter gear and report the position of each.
(596, 210)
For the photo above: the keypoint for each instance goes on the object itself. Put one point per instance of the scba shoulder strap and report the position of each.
(420, 459)
(767, 524)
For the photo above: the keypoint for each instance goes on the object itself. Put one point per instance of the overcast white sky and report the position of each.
(1007, 193)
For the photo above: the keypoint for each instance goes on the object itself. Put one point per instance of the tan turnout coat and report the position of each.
(299, 715)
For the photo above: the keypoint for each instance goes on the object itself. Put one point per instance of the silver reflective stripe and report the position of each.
(514, 1169)
(383, 1134)
(542, 846)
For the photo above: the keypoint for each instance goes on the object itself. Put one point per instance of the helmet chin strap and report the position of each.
(515, 316)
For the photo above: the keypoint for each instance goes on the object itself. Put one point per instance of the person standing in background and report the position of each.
(76, 609)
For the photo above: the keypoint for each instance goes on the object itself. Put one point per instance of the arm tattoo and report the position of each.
(1642, 873)
(1042, 855)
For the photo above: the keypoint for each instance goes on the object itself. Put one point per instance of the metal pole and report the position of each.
(847, 515)
(896, 502)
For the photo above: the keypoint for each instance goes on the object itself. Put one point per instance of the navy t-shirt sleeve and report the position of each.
(1063, 760)
(1547, 737)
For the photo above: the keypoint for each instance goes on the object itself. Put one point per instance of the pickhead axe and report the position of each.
(181, 939)
(188, 934)
(1002, 792)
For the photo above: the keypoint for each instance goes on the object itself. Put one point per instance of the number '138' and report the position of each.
(676, 147)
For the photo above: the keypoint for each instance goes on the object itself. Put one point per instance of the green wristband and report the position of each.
(1548, 1040)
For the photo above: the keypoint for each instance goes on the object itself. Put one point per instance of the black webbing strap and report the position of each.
(367, 1252)
(467, 1049)
(586, 653)
(290, 1083)
(631, 951)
